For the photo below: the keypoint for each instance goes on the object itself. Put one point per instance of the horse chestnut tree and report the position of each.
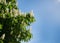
(13, 23)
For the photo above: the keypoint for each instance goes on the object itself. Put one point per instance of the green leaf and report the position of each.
(1, 41)
(1, 26)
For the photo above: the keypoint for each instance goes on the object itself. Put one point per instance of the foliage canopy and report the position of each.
(13, 24)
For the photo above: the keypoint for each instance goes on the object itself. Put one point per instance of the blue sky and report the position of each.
(46, 29)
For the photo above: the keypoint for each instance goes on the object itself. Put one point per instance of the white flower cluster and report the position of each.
(17, 12)
(7, 10)
(3, 1)
(31, 13)
(3, 36)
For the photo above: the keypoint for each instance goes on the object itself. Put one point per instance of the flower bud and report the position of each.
(31, 13)
(3, 36)
(5, 1)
